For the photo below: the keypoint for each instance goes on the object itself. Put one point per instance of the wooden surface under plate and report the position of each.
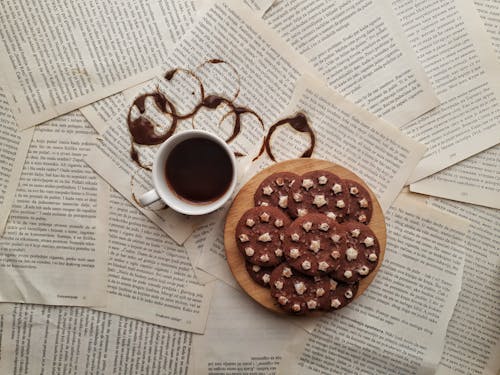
(244, 201)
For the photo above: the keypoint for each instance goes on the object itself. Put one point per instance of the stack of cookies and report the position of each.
(308, 239)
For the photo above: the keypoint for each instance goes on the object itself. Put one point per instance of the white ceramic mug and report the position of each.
(164, 192)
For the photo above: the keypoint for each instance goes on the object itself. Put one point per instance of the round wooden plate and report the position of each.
(244, 201)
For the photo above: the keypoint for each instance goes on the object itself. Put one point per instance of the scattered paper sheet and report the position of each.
(54, 62)
(250, 342)
(150, 277)
(458, 58)
(194, 246)
(263, 88)
(345, 134)
(103, 111)
(54, 247)
(13, 150)
(472, 341)
(489, 11)
(473, 180)
(80, 341)
(398, 325)
(360, 50)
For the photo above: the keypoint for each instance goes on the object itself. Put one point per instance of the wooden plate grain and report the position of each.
(244, 201)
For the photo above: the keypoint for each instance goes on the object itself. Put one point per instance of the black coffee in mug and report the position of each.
(199, 170)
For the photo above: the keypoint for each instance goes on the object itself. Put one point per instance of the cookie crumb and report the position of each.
(324, 227)
(249, 251)
(319, 200)
(315, 245)
(307, 226)
(307, 183)
(323, 266)
(306, 265)
(335, 303)
(300, 287)
(264, 217)
(243, 238)
(369, 241)
(337, 188)
(267, 190)
(265, 237)
(283, 201)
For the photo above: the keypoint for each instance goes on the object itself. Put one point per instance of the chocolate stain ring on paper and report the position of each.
(143, 129)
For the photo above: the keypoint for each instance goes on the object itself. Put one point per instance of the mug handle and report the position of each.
(148, 198)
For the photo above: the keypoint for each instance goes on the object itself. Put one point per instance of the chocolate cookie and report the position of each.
(274, 190)
(315, 244)
(297, 293)
(361, 255)
(259, 235)
(261, 275)
(319, 191)
(338, 295)
(359, 206)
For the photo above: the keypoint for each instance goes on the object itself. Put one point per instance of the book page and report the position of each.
(456, 53)
(150, 277)
(359, 48)
(345, 134)
(262, 90)
(259, 6)
(14, 146)
(55, 243)
(398, 325)
(103, 111)
(250, 342)
(54, 340)
(473, 180)
(194, 246)
(472, 341)
(489, 11)
(55, 62)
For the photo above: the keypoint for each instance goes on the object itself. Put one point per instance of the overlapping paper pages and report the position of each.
(401, 93)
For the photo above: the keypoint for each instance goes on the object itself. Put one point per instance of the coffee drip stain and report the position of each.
(299, 123)
(143, 129)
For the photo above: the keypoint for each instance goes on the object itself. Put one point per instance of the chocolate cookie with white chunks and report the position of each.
(319, 192)
(315, 244)
(359, 206)
(338, 295)
(260, 233)
(261, 275)
(274, 190)
(361, 256)
(296, 293)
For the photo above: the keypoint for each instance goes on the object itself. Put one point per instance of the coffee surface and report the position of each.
(199, 170)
